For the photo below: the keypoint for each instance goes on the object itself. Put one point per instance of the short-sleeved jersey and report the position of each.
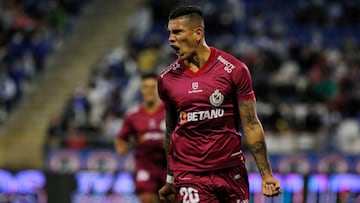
(207, 134)
(149, 131)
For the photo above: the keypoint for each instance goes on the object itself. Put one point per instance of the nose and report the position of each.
(171, 38)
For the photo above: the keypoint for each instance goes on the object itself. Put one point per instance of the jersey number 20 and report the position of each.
(190, 195)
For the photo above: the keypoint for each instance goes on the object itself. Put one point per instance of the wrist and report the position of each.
(169, 179)
(264, 176)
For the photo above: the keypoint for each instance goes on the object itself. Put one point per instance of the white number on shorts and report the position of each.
(190, 195)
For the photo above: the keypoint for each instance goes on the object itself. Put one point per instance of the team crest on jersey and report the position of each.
(216, 98)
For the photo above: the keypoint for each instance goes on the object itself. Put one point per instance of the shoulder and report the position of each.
(133, 111)
(174, 67)
(231, 62)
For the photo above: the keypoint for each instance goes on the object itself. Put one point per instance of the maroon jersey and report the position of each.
(149, 131)
(207, 135)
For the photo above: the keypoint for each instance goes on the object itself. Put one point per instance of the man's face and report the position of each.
(182, 37)
(148, 90)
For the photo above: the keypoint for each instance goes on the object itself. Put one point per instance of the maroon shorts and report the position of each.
(227, 185)
(149, 177)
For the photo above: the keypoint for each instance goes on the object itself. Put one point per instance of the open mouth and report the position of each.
(177, 49)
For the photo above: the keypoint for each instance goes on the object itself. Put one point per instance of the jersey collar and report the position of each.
(205, 67)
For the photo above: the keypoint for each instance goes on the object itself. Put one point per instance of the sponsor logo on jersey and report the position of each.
(195, 88)
(163, 125)
(174, 66)
(216, 98)
(142, 175)
(200, 115)
(228, 66)
(152, 123)
(151, 136)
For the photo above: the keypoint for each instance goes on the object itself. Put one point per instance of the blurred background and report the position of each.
(70, 69)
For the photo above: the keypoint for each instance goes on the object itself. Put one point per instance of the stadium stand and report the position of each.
(304, 58)
(30, 31)
(22, 138)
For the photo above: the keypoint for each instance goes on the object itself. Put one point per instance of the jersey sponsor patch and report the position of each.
(172, 67)
(195, 88)
(142, 175)
(228, 66)
(200, 115)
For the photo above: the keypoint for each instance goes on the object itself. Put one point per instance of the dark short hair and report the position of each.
(185, 10)
(149, 76)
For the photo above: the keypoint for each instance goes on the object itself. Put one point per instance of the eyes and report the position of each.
(175, 32)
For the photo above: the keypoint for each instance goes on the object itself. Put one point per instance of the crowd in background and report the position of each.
(304, 58)
(30, 31)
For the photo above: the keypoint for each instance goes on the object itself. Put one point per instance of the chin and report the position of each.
(182, 57)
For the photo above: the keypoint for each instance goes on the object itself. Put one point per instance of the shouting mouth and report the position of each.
(177, 49)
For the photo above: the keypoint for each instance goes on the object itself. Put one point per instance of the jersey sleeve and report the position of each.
(126, 130)
(163, 94)
(243, 83)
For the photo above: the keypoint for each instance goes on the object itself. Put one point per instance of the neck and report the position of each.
(151, 106)
(201, 56)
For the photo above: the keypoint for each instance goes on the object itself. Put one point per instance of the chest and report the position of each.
(204, 90)
(143, 123)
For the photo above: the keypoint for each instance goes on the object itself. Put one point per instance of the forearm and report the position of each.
(170, 126)
(254, 136)
(121, 146)
(167, 149)
(256, 144)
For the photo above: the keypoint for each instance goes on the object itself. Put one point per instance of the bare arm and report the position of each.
(171, 119)
(255, 139)
(121, 146)
(168, 193)
(254, 136)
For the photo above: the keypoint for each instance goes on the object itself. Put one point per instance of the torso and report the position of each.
(149, 130)
(207, 133)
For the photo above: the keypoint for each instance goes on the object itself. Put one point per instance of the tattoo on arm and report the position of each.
(255, 134)
(247, 109)
(258, 150)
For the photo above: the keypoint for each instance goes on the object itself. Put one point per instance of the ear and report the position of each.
(199, 32)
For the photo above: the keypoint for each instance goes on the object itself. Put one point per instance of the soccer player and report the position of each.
(146, 125)
(208, 94)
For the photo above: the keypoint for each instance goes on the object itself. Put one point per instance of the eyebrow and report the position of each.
(175, 30)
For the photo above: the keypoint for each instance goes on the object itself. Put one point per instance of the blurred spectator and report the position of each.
(29, 32)
(313, 121)
(55, 131)
(96, 100)
(8, 91)
(304, 57)
(80, 106)
(41, 47)
(111, 124)
(148, 57)
(114, 102)
(140, 25)
(74, 138)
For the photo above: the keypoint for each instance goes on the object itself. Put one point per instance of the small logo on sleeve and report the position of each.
(228, 66)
